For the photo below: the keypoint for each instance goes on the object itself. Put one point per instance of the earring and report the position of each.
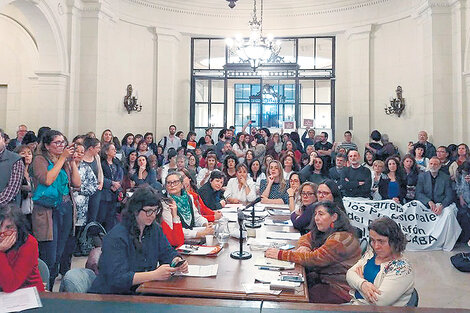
(332, 225)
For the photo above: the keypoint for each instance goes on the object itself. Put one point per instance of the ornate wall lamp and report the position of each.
(231, 3)
(397, 105)
(130, 101)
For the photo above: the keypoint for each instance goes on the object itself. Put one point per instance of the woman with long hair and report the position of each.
(26, 203)
(328, 250)
(463, 154)
(53, 221)
(240, 147)
(273, 189)
(293, 192)
(113, 174)
(136, 250)
(106, 137)
(18, 252)
(127, 144)
(314, 171)
(302, 217)
(289, 165)
(143, 149)
(369, 159)
(382, 276)
(193, 163)
(290, 145)
(144, 174)
(249, 157)
(411, 172)
(393, 186)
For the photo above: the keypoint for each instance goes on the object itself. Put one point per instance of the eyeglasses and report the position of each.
(173, 183)
(150, 212)
(323, 193)
(59, 143)
(307, 194)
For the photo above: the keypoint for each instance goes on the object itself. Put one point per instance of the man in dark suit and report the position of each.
(433, 188)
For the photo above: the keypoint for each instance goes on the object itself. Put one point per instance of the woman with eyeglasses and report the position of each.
(328, 191)
(313, 172)
(53, 221)
(382, 276)
(136, 250)
(302, 217)
(294, 197)
(18, 252)
(179, 212)
(327, 251)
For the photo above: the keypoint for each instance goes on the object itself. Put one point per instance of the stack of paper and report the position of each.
(260, 288)
(201, 270)
(199, 250)
(282, 265)
(286, 236)
(19, 300)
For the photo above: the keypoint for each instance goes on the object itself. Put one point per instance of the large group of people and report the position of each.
(51, 187)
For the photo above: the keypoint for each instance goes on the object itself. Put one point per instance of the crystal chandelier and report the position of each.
(257, 49)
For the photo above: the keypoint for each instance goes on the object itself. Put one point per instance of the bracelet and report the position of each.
(291, 197)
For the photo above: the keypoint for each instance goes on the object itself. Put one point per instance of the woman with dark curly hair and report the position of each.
(327, 251)
(136, 250)
(411, 172)
(230, 171)
(382, 276)
(419, 152)
(18, 252)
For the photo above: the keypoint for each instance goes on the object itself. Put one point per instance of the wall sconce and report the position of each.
(130, 101)
(231, 3)
(397, 105)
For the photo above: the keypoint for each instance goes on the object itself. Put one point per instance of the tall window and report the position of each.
(225, 92)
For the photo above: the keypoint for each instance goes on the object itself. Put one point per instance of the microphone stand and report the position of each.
(240, 255)
(252, 224)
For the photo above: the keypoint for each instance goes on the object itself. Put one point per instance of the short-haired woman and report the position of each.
(18, 252)
(136, 250)
(328, 251)
(211, 192)
(382, 276)
(240, 189)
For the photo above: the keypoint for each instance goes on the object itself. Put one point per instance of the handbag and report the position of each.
(51, 196)
(461, 261)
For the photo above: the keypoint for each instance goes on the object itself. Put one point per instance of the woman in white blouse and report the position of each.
(240, 189)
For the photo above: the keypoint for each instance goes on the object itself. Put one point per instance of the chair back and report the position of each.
(44, 272)
(414, 299)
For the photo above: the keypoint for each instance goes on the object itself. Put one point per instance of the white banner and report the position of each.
(423, 229)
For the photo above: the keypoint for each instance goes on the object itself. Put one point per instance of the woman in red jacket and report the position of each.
(189, 184)
(18, 253)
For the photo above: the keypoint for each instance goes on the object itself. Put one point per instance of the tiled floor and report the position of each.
(439, 284)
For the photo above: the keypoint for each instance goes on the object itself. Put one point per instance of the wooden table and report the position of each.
(230, 277)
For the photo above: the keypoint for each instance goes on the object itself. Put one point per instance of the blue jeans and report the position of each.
(107, 214)
(51, 251)
(93, 206)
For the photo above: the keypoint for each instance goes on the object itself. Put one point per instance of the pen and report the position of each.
(271, 268)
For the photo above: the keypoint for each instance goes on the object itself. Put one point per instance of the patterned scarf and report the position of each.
(185, 212)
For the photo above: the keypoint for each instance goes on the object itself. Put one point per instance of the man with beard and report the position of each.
(433, 188)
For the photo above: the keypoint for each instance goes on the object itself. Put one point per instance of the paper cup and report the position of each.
(209, 240)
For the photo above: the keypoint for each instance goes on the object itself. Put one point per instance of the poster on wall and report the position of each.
(423, 229)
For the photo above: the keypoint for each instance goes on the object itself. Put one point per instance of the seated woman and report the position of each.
(180, 213)
(411, 172)
(256, 173)
(189, 184)
(229, 169)
(377, 175)
(289, 165)
(136, 250)
(328, 251)
(18, 252)
(145, 175)
(274, 189)
(205, 173)
(211, 193)
(328, 191)
(313, 172)
(294, 197)
(393, 185)
(419, 151)
(240, 189)
(171, 166)
(302, 217)
(382, 276)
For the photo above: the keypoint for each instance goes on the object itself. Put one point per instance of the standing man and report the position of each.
(324, 149)
(430, 149)
(11, 173)
(356, 179)
(170, 141)
(22, 130)
(347, 143)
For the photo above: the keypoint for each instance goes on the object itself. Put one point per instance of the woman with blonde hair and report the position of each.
(273, 189)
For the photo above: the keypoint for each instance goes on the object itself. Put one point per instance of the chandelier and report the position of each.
(257, 49)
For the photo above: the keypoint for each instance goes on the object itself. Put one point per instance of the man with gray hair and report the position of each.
(433, 188)
(423, 139)
(14, 143)
(11, 173)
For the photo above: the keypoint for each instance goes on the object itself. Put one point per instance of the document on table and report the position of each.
(272, 263)
(232, 217)
(278, 222)
(201, 270)
(260, 288)
(286, 236)
(267, 277)
(19, 300)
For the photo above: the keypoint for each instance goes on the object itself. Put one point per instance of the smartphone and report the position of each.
(177, 264)
(253, 121)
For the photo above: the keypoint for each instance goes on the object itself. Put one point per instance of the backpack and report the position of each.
(461, 261)
(91, 237)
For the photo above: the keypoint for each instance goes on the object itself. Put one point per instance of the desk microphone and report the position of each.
(241, 255)
(253, 223)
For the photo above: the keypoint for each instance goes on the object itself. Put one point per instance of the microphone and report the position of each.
(240, 254)
(253, 224)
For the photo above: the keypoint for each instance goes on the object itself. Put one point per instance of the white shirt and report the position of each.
(232, 190)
